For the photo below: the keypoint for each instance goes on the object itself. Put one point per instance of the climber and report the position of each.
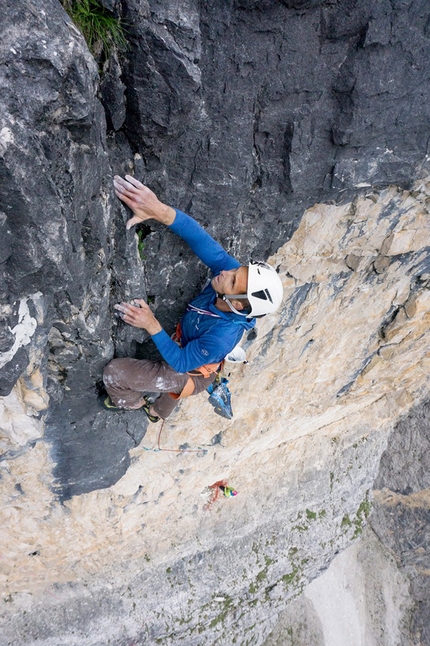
(211, 327)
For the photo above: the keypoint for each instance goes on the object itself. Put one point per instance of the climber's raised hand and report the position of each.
(139, 314)
(142, 201)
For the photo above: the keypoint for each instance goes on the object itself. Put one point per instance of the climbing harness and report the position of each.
(204, 371)
(219, 394)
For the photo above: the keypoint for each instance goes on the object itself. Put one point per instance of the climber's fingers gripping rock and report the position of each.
(142, 201)
(139, 315)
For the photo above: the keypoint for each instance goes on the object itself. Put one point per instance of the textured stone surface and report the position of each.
(377, 591)
(242, 114)
(63, 243)
(402, 511)
(312, 418)
(362, 600)
(251, 111)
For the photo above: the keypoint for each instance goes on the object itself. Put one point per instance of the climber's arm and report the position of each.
(211, 348)
(146, 205)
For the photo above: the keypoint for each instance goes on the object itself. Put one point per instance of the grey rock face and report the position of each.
(401, 515)
(60, 235)
(112, 94)
(246, 113)
(240, 113)
(362, 599)
(260, 108)
(230, 585)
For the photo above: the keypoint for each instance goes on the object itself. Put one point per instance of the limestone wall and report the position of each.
(328, 377)
(297, 129)
(362, 599)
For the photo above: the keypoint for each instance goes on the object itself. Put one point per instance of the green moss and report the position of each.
(169, 570)
(301, 528)
(141, 244)
(360, 516)
(222, 615)
(289, 578)
(310, 515)
(322, 513)
(183, 621)
(253, 587)
(346, 521)
(261, 576)
(364, 508)
(362, 513)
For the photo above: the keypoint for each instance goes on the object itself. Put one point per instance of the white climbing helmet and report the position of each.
(264, 290)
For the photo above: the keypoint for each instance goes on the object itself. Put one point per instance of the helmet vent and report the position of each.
(263, 294)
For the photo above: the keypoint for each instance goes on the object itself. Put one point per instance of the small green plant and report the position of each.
(289, 578)
(141, 244)
(101, 30)
(346, 521)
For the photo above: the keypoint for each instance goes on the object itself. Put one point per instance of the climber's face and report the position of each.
(231, 281)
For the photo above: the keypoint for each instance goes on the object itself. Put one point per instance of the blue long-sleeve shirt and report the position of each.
(208, 334)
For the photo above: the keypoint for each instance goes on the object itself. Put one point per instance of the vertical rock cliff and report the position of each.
(296, 129)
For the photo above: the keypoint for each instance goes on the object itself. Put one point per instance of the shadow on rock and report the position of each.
(90, 446)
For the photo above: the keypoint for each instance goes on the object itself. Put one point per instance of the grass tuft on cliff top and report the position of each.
(101, 30)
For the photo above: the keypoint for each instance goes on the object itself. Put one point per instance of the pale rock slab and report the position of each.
(328, 378)
(361, 600)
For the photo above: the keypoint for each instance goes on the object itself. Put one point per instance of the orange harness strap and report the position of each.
(187, 390)
(204, 371)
